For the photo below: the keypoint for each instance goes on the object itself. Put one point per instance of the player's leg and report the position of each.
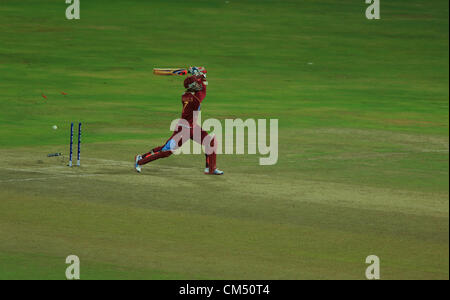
(209, 141)
(156, 153)
(212, 168)
(153, 151)
(161, 152)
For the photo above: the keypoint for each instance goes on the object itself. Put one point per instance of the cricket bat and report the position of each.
(170, 71)
(175, 71)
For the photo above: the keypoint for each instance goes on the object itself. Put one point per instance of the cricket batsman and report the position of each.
(191, 100)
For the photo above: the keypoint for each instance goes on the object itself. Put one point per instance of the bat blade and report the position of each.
(170, 71)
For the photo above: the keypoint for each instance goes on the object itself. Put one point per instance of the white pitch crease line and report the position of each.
(22, 170)
(426, 150)
(131, 163)
(46, 178)
(64, 171)
(32, 170)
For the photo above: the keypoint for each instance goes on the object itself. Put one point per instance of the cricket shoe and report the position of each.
(137, 158)
(216, 172)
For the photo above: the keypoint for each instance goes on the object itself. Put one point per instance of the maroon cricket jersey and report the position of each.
(191, 103)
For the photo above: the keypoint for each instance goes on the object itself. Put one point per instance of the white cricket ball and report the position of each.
(54, 127)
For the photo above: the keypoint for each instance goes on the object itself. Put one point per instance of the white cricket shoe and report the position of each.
(136, 165)
(216, 172)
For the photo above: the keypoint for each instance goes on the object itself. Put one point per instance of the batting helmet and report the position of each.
(193, 83)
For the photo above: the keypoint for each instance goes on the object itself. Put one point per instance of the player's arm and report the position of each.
(197, 71)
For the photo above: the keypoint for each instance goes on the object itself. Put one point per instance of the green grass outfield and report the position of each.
(363, 134)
